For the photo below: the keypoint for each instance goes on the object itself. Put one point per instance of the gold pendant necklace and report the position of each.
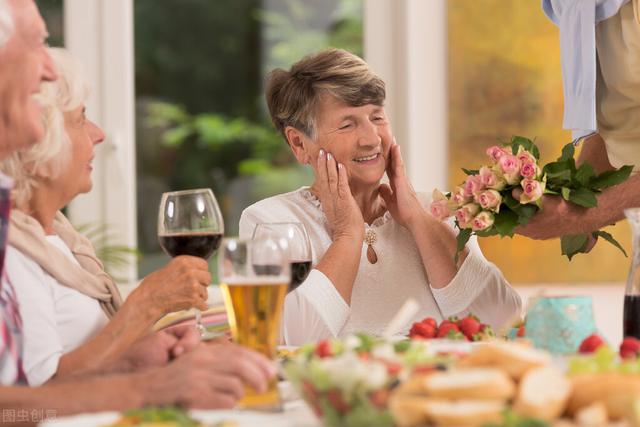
(370, 238)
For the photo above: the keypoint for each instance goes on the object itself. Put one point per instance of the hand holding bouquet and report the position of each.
(498, 197)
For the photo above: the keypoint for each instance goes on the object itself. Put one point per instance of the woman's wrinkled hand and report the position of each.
(399, 196)
(180, 285)
(340, 208)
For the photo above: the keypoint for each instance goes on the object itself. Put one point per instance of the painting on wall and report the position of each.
(504, 80)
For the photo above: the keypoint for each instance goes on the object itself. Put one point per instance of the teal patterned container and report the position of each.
(559, 324)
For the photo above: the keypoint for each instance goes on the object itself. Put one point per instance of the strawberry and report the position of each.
(379, 398)
(323, 349)
(334, 396)
(469, 326)
(423, 369)
(422, 330)
(629, 348)
(393, 368)
(591, 343)
(310, 395)
(430, 321)
(445, 328)
(521, 332)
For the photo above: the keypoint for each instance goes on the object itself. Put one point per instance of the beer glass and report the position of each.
(254, 277)
(190, 223)
(296, 238)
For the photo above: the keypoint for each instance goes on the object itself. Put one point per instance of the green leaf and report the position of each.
(505, 222)
(584, 174)
(471, 171)
(175, 137)
(461, 239)
(526, 143)
(566, 193)
(611, 178)
(573, 244)
(487, 233)
(567, 152)
(511, 203)
(560, 172)
(583, 197)
(609, 238)
(525, 213)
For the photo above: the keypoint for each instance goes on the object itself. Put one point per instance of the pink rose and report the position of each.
(525, 157)
(529, 170)
(472, 185)
(483, 221)
(532, 190)
(489, 199)
(458, 197)
(440, 209)
(509, 164)
(465, 214)
(496, 152)
(491, 179)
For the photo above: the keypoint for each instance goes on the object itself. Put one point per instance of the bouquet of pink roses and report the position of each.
(498, 197)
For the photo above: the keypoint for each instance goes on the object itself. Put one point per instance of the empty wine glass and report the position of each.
(190, 223)
(294, 236)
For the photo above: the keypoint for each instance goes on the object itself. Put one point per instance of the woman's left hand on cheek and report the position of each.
(399, 196)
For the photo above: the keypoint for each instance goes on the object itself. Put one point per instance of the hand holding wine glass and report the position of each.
(190, 223)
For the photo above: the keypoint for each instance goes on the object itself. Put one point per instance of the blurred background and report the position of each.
(193, 115)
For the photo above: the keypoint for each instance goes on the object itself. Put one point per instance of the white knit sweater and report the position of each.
(315, 310)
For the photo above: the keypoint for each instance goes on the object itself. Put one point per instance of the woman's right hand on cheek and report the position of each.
(340, 208)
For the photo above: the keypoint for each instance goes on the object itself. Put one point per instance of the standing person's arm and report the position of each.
(559, 217)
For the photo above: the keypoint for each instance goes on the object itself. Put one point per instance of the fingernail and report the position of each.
(321, 152)
(329, 157)
(340, 166)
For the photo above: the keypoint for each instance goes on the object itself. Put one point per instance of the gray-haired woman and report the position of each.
(374, 245)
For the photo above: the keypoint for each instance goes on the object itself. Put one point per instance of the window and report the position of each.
(201, 120)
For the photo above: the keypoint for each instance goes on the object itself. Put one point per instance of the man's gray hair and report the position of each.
(6, 22)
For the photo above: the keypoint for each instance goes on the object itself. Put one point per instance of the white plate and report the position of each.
(243, 418)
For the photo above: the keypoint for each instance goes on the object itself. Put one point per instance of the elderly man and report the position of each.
(204, 376)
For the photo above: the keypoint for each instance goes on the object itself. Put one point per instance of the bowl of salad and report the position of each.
(347, 382)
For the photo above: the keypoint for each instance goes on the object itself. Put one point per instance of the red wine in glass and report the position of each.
(631, 322)
(202, 245)
(295, 237)
(299, 272)
(190, 223)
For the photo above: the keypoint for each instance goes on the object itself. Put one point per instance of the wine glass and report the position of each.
(190, 223)
(294, 236)
(254, 277)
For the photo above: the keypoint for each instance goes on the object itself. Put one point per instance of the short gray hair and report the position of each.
(47, 158)
(6, 22)
(294, 95)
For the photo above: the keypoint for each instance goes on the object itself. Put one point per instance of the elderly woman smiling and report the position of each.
(374, 245)
(66, 298)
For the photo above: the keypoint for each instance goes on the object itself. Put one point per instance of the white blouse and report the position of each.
(56, 319)
(315, 310)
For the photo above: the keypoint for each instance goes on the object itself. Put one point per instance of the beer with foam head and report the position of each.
(254, 280)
